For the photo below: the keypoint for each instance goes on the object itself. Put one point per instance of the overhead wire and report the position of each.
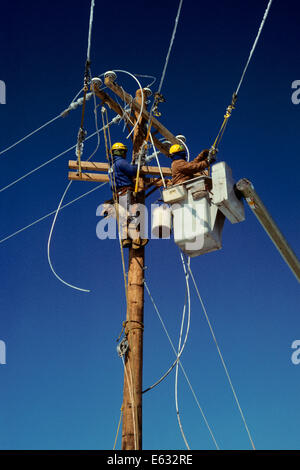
(157, 94)
(30, 134)
(58, 209)
(222, 359)
(146, 76)
(88, 53)
(81, 133)
(142, 97)
(50, 213)
(157, 161)
(179, 353)
(181, 366)
(60, 203)
(254, 46)
(113, 121)
(231, 107)
(39, 128)
(49, 243)
(179, 349)
(170, 47)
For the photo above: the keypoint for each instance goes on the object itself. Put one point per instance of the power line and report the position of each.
(188, 295)
(113, 121)
(170, 47)
(181, 366)
(222, 359)
(49, 243)
(51, 213)
(61, 201)
(186, 335)
(31, 133)
(254, 46)
(90, 30)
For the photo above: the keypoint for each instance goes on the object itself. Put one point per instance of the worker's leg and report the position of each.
(138, 224)
(123, 210)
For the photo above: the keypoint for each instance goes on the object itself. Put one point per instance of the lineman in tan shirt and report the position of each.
(183, 170)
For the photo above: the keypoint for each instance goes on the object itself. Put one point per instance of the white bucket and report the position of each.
(162, 222)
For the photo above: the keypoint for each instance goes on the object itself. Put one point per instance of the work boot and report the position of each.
(139, 242)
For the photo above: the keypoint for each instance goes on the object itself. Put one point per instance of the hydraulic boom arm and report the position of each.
(247, 190)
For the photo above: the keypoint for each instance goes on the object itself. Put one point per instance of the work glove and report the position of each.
(212, 156)
(204, 154)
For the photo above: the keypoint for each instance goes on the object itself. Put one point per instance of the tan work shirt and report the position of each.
(183, 170)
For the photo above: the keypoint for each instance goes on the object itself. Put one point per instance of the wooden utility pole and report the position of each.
(91, 171)
(132, 393)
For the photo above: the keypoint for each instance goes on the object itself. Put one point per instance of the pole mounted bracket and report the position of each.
(122, 347)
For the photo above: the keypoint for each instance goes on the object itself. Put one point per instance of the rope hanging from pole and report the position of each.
(107, 140)
(214, 148)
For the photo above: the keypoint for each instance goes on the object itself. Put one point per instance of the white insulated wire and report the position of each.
(61, 201)
(142, 96)
(180, 351)
(157, 160)
(186, 148)
(170, 47)
(146, 76)
(49, 243)
(96, 123)
(181, 366)
(90, 30)
(222, 359)
(254, 46)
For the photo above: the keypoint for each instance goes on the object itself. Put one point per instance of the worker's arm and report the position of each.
(190, 168)
(202, 156)
(127, 168)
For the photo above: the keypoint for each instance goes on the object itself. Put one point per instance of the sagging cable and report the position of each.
(49, 243)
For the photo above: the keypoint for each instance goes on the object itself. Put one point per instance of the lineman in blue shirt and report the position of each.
(122, 184)
(122, 171)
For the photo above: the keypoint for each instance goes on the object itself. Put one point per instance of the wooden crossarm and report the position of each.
(105, 98)
(103, 167)
(92, 177)
(117, 109)
(129, 100)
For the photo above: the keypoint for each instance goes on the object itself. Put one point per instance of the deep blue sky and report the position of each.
(62, 385)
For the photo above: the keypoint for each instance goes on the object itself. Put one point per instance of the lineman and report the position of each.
(183, 170)
(122, 184)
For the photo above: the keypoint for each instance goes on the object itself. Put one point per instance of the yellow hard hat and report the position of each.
(176, 148)
(119, 146)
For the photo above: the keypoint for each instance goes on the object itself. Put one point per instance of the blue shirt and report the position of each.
(123, 173)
